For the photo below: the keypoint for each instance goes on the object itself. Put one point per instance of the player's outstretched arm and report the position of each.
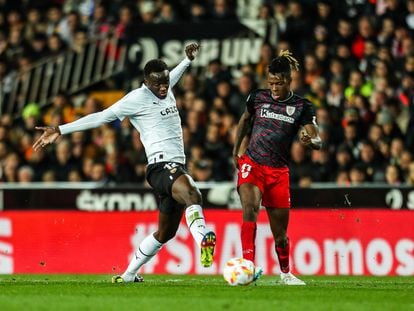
(50, 133)
(49, 136)
(177, 72)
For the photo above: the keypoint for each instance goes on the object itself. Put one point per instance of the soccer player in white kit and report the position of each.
(153, 112)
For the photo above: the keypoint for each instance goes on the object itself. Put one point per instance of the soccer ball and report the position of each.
(239, 271)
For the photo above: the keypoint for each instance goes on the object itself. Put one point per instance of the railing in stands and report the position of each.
(69, 72)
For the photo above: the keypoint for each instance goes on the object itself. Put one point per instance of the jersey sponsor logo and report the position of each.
(265, 113)
(169, 110)
(290, 110)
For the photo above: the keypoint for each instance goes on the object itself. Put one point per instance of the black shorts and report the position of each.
(161, 177)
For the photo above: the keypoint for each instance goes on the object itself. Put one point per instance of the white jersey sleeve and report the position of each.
(178, 71)
(88, 122)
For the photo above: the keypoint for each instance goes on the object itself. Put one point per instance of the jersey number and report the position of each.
(245, 170)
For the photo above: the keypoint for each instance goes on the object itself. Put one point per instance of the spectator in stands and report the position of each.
(219, 151)
(99, 174)
(351, 137)
(63, 161)
(38, 47)
(343, 159)
(100, 23)
(409, 18)
(54, 19)
(405, 159)
(410, 176)
(396, 149)
(325, 14)
(55, 45)
(299, 164)
(342, 179)
(61, 104)
(393, 175)
(198, 11)
(10, 167)
(312, 69)
(167, 14)
(297, 26)
(370, 161)
(358, 85)
(25, 174)
(34, 25)
(202, 170)
(214, 74)
(389, 127)
(148, 11)
(245, 85)
(357, 175)
(221, 10)
(266, 55)
(74, 176)
(322, 166)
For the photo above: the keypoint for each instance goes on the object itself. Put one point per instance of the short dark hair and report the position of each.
(284, 63)
(155, 65)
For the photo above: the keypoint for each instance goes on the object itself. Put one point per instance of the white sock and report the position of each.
(148, 248)
(195, 222)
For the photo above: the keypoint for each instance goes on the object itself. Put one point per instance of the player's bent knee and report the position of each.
(194, 195)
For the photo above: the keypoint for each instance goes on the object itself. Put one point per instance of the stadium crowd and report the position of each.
(357, 69)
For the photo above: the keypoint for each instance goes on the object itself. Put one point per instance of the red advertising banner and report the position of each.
(330, 242)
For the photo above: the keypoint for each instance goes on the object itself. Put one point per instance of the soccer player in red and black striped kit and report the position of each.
(271, 121)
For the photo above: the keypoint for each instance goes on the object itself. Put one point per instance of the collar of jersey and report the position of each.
(285, 100)
(147, 88)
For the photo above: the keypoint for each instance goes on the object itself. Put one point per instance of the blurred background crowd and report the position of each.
(357, 68)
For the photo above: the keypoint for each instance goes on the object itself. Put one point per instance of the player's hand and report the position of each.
(49, 136)
(191, 50)
(305, 139)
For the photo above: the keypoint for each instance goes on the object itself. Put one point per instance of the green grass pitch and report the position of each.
(189, 292)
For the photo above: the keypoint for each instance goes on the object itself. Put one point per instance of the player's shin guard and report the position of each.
(282, 251)
(248, 239)
(196, 223)
(148, 248)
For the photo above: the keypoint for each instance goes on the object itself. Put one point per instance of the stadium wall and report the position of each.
(342, 241)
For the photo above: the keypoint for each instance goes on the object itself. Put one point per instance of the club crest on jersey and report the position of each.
(290, 110)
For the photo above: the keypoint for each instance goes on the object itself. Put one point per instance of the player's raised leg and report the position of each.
(279, 219)
(185, 191)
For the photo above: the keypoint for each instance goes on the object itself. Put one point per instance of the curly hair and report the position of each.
(284, 63)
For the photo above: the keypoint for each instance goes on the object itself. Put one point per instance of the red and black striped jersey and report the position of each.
(275, 125)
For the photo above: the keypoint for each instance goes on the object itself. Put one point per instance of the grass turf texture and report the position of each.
(186, 293)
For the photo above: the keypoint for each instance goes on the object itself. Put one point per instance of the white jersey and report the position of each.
(157, 120)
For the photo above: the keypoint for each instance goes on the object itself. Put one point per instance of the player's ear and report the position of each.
(288, 79)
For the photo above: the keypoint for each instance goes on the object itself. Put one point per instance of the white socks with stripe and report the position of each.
(195, 222)
(148, 248)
